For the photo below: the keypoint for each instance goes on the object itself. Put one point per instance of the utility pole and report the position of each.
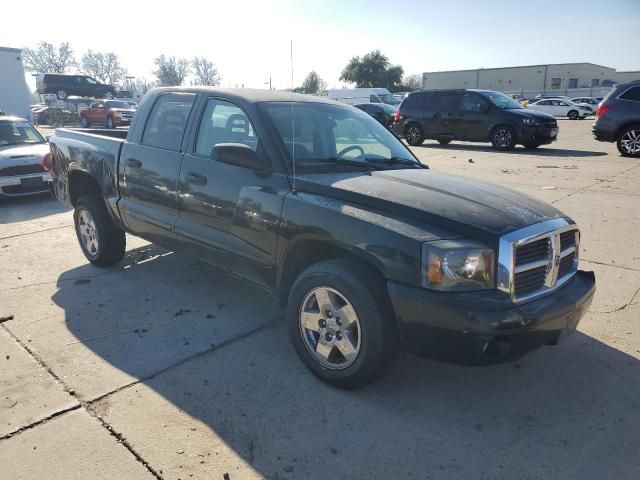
(269, 83)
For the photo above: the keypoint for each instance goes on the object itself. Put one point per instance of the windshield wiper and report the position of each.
(354, 163)
(395, 161)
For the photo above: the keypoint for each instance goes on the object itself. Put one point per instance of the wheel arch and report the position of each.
(624, 126)
(308, 251)
(82, 183)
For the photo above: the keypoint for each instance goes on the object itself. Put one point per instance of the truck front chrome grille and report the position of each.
(538, 259)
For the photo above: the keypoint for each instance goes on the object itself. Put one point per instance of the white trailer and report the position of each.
(15, 97)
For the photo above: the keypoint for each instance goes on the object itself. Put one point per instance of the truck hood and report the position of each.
(461, 205)
(12, 155)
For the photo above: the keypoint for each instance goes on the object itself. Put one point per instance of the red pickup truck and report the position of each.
(110, 113)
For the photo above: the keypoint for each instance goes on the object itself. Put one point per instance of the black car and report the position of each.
(81, 85)
(618, 119)
(382, 112)
(312, 199)
(472, 115)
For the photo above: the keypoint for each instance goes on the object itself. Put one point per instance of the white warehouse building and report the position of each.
(531, 78)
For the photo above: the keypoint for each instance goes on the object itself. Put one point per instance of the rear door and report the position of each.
(442, 114)
(150, 185)
(472, 121)
(228, 214)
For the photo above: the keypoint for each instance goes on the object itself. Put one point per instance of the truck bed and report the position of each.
(95, 152)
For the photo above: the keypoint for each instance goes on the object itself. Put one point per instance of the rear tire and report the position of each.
(102, 242)
(628, 142)
(414, 134)
(333, 291)
(572, 114)
(84, 122)
(503, 138)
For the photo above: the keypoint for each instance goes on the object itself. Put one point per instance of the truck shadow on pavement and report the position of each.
(519, 150)
(235, 398)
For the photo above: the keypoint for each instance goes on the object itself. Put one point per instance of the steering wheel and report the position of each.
(344, 151)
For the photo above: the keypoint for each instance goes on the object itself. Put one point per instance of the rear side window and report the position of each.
(632, 94)
(416, 100)
(443, 101)
(167, 121)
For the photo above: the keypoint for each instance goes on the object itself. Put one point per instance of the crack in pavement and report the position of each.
(37, 231)
(610, 265)
(598, 182)
(88, 406)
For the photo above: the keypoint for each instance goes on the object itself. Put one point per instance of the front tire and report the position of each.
(628, 142)
(414, 135)
(341, 323)
(110, 123)
(102, 242)
(573, 114)
(503, 138)
(84, 122)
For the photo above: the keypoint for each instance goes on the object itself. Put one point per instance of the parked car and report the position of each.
(586, 101)
(110, 113)
(472, 115)
(559, 107)
(64, 85)
(366, 247)
(22, 152)
(618, 119)
(380, 111)
(50, 115)
(546, 97)
(353, 96)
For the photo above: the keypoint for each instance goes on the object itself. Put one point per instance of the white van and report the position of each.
(15, 98)
(354, 96)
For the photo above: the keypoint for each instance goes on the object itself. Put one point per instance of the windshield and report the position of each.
(117, 104)
(501, 100)
(18, 133)
(388, 99)
(324, 135)
(390, 109)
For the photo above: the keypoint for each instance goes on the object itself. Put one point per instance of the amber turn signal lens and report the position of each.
(434, 273)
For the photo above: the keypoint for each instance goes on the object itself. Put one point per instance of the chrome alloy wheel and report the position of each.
(330, 328)
(88, 232)
(413, 135)
(630, 142)
(502, 137)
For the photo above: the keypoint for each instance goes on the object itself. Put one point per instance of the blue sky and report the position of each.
(249, 39)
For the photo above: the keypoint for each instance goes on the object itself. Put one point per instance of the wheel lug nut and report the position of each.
(328, 337)
(329, 314)
(338, 336)
(322, 323)
(338, 321)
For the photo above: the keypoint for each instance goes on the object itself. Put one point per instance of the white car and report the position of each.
(559, 107)
(22, 151)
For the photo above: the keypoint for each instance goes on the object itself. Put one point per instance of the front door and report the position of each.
(150, 185)
(229, 215)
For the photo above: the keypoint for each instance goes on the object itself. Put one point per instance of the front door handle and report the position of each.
(133, 163)
(195, 178)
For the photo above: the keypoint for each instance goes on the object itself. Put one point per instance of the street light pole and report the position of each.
(269, 83)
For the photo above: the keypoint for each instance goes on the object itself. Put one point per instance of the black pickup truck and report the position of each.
(366, 247)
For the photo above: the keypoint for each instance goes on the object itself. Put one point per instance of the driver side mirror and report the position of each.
(240, 155)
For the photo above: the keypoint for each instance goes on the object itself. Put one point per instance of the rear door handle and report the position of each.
(133, 163)
(195, 178)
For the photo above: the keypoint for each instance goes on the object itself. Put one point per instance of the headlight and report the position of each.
(457, 265)
(529, 121)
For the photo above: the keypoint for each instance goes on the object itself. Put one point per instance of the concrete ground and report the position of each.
(162, 367)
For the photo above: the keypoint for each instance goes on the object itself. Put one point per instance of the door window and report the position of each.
(470, 102)
(632, 94)
(443, 102)
(224, 122)
(167, 121)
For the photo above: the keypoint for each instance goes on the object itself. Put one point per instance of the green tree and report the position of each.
(170, 71)
(313, 83)
(373, 70)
